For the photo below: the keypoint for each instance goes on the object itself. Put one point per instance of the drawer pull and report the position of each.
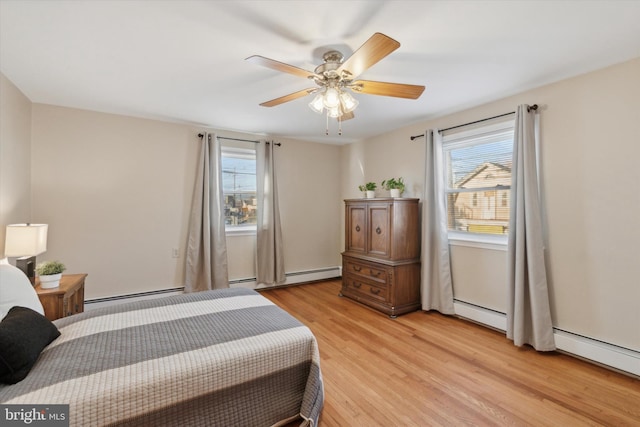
(375, 291)
(357, 268)
(375, 273)
(357, 228)
(378, 230)
(357, 285)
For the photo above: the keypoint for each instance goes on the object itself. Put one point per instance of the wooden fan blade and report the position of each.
(398, 90)
(280, 66)
(347, 116)
(373, 50)
(289, 97)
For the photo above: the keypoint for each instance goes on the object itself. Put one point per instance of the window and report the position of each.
(239, 188)
(477, 167)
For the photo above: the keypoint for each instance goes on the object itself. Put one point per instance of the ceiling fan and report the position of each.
(336, 75)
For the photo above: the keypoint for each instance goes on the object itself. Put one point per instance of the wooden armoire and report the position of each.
(381, 261)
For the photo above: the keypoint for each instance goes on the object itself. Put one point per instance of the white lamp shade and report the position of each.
(317, 103)
(331, 98)
(348, 102)
(25, 239)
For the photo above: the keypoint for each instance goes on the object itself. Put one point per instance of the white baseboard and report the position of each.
(616, 357)
(481, 315)
(292, 278)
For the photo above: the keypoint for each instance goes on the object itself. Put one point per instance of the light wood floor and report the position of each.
(426, 369)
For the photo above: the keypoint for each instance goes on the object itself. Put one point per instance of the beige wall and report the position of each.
(309, 179)
(116, 192)
(15, 158)
(590, 143)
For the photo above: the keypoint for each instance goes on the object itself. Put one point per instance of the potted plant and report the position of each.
(50, 273)
(395, 186)
(369, 189)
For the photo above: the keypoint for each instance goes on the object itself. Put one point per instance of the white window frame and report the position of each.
(466, 138)
(239, 230)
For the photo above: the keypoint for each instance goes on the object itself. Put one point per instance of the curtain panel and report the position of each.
(528, 311)
(270, 254)
(437, 287)
(206, 258)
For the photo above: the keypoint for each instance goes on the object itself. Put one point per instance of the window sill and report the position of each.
(478, 240)
(241, 231)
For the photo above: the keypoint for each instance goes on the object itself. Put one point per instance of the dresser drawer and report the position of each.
(366, 271)
(365, 288)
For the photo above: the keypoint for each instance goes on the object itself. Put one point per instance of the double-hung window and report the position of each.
(477, 168)
(239, 189)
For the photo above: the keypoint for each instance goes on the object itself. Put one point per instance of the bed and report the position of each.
(218, 358)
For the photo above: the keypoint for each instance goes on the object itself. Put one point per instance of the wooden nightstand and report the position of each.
(66, 299)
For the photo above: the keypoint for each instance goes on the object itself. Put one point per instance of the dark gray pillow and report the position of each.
(24, 333)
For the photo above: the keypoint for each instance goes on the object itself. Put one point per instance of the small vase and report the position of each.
(371, 194)
(50, 281)
(395, 192)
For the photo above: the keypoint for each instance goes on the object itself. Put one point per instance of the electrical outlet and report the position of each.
(175, 253)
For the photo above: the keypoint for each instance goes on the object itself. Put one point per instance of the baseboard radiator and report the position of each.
(620, 358)
(292, 278)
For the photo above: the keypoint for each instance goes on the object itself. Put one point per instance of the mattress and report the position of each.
(217, 358)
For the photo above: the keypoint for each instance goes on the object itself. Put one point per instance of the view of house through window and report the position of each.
(478, 179)
(239, 187)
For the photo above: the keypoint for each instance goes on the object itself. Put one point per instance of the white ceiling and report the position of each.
(184, 60)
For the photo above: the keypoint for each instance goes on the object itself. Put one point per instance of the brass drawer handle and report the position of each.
(357, 228)
(357, 285)
(375, 273)
(375, 291)
(357, 268)
(378, 230)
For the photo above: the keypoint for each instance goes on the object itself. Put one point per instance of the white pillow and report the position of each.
(16, 290)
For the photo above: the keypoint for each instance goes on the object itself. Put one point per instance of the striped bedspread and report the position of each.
(218, 358)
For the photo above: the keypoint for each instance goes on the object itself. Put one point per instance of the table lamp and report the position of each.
(26, 241)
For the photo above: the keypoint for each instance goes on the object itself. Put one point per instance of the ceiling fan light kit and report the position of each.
(337, 102)
(335, 77)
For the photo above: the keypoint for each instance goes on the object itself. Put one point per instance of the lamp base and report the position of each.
(28, 267)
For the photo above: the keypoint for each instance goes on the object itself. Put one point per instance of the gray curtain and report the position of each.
(206, 266)
(528, 312)
(270, 257)
(437, 288)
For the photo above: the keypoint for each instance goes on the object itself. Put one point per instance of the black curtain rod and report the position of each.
(200, 135)
(532, 107)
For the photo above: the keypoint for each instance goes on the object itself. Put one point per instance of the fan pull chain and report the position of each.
(339, 125)
(327, 130)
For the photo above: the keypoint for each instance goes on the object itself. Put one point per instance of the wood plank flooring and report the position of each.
(426, 369)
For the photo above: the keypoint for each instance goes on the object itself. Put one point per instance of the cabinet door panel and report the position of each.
(356, 228)
(379, 226)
